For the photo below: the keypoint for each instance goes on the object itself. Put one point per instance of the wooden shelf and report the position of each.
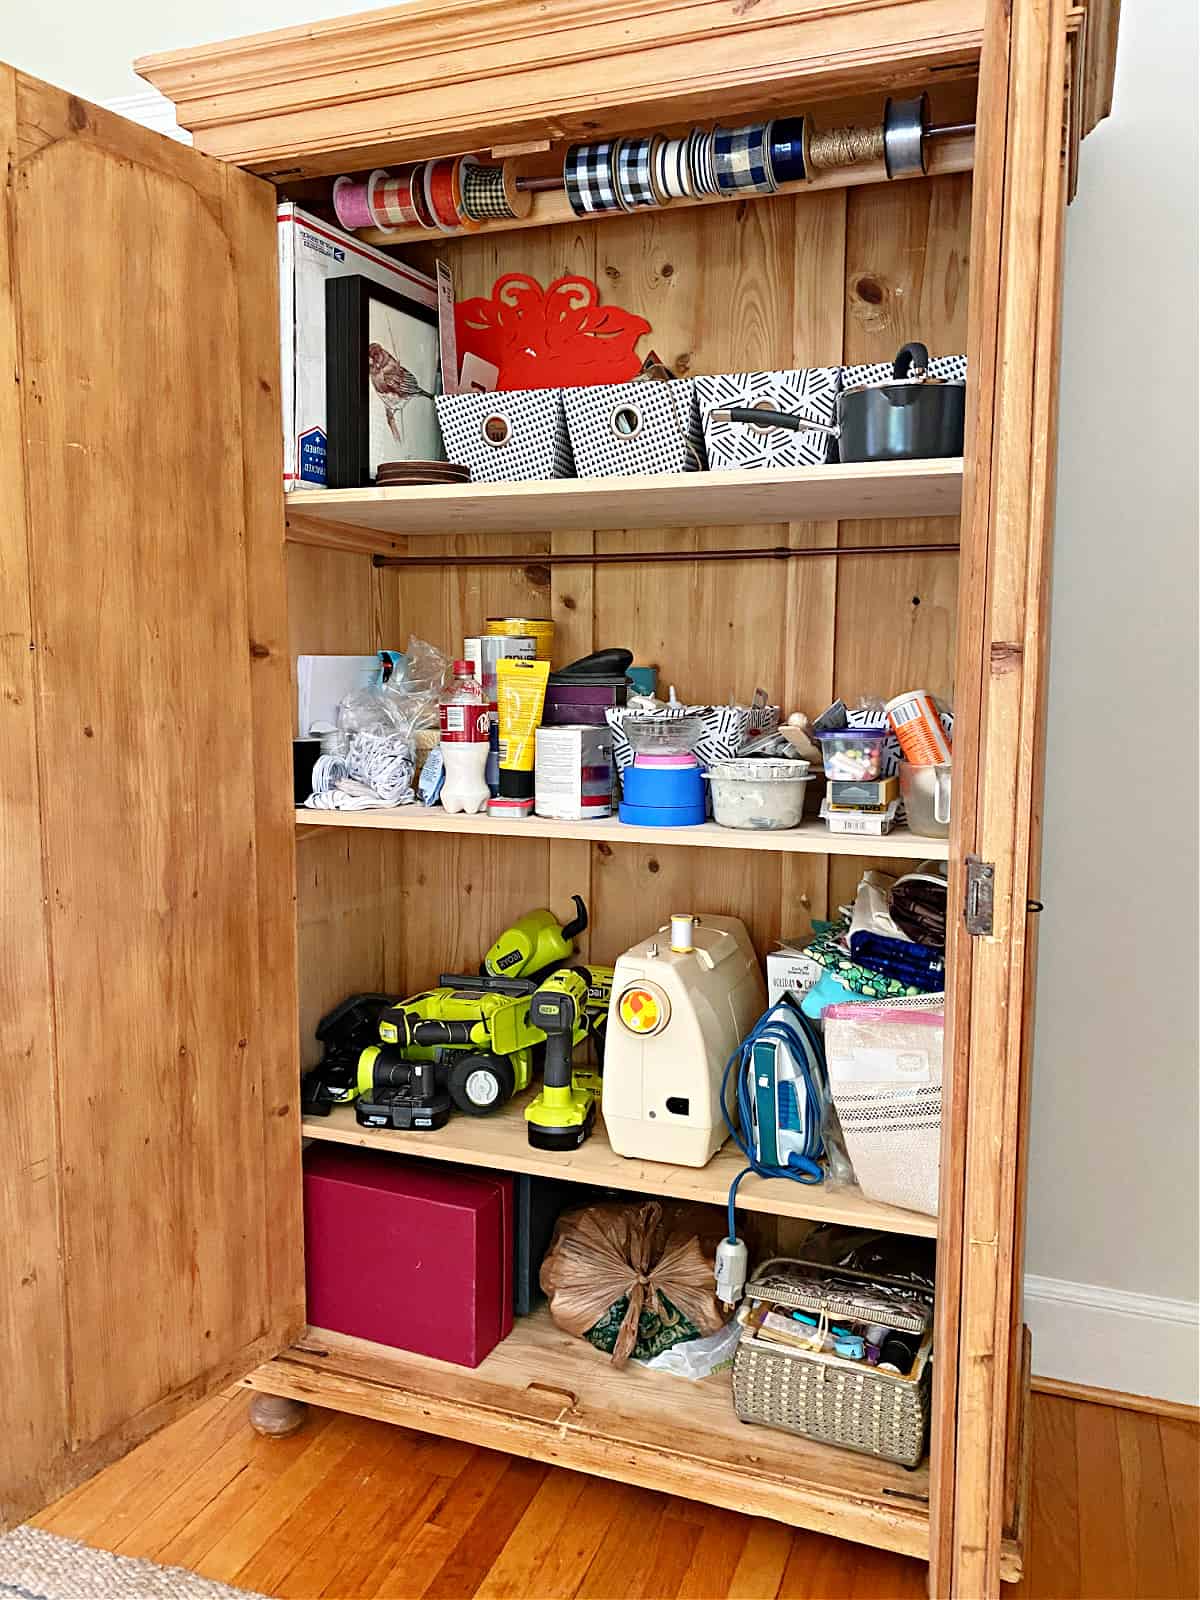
(371, 520)
(500, 1143)
(546, 1394)
(810, 838)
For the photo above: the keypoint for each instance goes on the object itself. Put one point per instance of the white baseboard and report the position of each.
(1110, 1339)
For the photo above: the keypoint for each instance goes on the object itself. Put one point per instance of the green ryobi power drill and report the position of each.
(566, 1007)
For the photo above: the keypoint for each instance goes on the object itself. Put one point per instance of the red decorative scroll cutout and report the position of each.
(550, 338)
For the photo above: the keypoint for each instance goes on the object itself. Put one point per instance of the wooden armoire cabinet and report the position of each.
(167, 915)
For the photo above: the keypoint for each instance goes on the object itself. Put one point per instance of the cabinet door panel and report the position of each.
(1016, 244)
(144, 320)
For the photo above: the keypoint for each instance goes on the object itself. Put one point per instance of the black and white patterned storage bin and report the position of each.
(726, 728)
(950, 369)
(504, 437)
(618, 429)
(806, 391)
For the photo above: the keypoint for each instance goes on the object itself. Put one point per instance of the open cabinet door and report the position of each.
(149, 1149)
(1008, 506)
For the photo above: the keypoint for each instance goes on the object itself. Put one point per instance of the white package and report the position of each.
(885, 1075)
(790, 971)
(310, 253)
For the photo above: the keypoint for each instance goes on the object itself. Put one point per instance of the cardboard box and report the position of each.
(310, 253)
(875, 823)
(789, 971)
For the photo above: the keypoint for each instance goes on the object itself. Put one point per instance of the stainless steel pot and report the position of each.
(908, 417)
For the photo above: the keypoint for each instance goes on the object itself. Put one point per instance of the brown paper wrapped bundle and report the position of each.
(608, 1253)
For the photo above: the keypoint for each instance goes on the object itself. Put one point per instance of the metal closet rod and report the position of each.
(612, 558)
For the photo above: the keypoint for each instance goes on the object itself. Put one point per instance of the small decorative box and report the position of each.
(618, 429)
(506, 436)
(806, 391)
(950, 369)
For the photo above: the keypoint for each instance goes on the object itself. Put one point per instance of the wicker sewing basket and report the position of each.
(823, 1397)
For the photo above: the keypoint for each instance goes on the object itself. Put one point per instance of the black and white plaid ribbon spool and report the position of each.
(742, 160)
(634, 187)
(589, 179)
(484, 196)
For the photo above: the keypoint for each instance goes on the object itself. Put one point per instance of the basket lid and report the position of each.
(842, 1292)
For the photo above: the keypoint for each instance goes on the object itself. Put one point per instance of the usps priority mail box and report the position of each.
(310, 252)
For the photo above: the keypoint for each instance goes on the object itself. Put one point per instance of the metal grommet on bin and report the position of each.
(495, 430)
(904, 124)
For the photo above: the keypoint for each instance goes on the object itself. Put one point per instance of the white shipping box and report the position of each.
(790, 972)
(310, 253)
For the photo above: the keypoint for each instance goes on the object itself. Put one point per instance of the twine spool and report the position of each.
(491, 193)
(352, 202)
(841, 147)
(393, 198)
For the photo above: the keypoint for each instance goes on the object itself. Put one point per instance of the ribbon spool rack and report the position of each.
(461, 194)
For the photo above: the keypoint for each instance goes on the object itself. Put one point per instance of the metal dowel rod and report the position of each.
(607, 558)
(948, 130)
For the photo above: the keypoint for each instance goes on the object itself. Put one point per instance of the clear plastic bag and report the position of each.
(371, 761)
(699, 1358)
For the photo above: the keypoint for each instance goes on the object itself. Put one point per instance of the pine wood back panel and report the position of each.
(148, 377)
(822, 278)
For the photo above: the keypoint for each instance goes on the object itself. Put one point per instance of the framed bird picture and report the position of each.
(381, 374)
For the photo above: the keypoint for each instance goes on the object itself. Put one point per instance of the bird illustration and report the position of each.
(395, 386)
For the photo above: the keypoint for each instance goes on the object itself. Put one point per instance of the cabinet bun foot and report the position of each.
(276, 1417)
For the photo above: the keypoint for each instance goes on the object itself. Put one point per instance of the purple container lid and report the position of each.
(853, 733)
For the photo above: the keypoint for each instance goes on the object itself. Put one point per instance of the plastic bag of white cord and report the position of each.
(885, 1077)
(370, 762)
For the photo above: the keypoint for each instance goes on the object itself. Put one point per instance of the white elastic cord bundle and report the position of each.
(376, 771)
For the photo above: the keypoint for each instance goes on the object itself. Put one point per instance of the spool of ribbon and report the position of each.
(394, 199)
(787, 149)
(590, 180)
(441, 184)
(352, 201)
(491, 193)
(742, 159)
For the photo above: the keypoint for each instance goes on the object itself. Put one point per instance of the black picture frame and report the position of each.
(348, 303)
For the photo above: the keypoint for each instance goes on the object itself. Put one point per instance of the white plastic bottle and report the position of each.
(464, 723)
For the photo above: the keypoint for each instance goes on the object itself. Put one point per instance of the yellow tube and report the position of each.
(520, 695)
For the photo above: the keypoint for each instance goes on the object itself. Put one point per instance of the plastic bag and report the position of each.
(370, 762)
(700, 1358)
(630, 1282)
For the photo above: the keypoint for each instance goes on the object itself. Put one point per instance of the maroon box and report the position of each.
(408, 1253)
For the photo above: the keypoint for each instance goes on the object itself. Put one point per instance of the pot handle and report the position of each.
(912, 361)
(752, 417)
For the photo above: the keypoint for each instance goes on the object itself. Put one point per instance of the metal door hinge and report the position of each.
(977, 909)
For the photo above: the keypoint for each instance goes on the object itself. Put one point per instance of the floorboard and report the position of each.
(350, 1508)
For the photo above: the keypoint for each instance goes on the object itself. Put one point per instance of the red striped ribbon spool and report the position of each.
(392, 199)
(440, 191)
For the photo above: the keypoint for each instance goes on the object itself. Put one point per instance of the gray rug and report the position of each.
(41, 1566)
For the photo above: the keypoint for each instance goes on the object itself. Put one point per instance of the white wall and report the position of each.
(1114, 1188)
(1114, 1184)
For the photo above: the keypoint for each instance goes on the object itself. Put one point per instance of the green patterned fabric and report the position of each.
(828, 951)
(655, 1333)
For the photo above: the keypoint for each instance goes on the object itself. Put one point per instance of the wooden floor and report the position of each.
(352, 1508)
